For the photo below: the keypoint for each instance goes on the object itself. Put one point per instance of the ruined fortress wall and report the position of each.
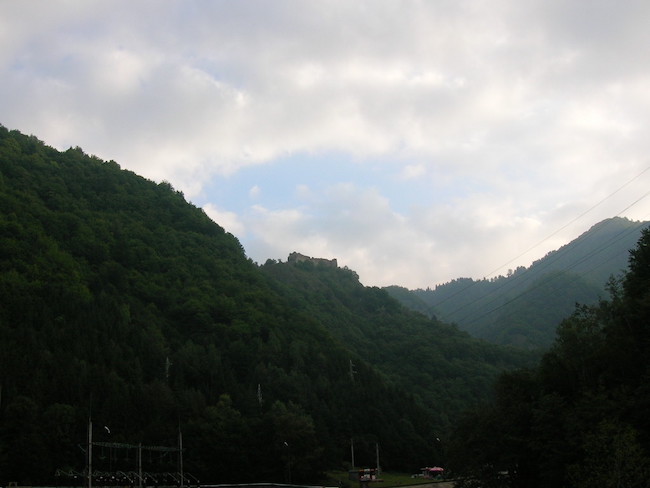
(296, 257)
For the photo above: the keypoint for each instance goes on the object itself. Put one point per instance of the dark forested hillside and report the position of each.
(580, 419)
(448, 369)
(524, 308)
(121, 302)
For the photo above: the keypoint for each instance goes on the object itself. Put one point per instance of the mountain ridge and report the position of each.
(120, 298)
(498, 309)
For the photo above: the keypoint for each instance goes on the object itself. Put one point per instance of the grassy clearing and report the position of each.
(340, 478)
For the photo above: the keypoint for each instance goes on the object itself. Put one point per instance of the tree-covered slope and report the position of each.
(122, 302)
(525, 307)
(579, 419)
(448, 369)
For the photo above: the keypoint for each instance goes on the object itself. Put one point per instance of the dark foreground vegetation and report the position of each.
(122, 302)
(581, 418)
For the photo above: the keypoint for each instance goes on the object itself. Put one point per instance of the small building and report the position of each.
(363, 474)
(435, 472)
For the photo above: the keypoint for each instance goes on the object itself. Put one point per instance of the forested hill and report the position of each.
(580, 419)
(525, 307)
(118, 295)
(122, 302)
(444, 366)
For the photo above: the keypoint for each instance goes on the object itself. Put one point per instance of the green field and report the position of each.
(389, 480)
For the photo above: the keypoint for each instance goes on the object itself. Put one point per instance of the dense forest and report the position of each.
(580, 418)
(123, 303)
(525, 307)
(443, 366)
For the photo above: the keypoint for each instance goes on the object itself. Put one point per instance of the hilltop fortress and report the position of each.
(296, 257)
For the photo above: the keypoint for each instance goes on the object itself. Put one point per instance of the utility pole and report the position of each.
(90, 453)
(180, 455)
(168, 364)
(352, 371)
(140, 465)
(377, 454)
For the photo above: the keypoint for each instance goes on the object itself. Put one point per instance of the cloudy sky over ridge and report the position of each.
(415, 141)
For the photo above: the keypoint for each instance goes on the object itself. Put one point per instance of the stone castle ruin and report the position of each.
(296, 257)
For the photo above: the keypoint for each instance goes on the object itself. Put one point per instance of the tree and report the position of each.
(295, 442)
(637, 280)
(218, 440)
(613, 458)
(23, 442)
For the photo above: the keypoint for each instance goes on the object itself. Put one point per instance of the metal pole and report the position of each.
(140, 465)
(180, 454)
(377, 454)
(90, 453)
(352, 450)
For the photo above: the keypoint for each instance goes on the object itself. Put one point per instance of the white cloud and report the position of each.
(518, 116)
(255, 192)
(412, 171)
(362, 231)
(228, 220)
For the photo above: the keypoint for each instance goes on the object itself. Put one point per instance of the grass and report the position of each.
(390, 480)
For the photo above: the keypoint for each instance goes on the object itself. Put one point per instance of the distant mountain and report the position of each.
(582, 414)
(122, 302)
(524, 308)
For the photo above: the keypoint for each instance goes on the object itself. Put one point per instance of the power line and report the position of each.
(544, 265)
(576, 219)
(545, 279)
(473, 283)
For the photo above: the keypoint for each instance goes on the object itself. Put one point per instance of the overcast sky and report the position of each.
(414, 141)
